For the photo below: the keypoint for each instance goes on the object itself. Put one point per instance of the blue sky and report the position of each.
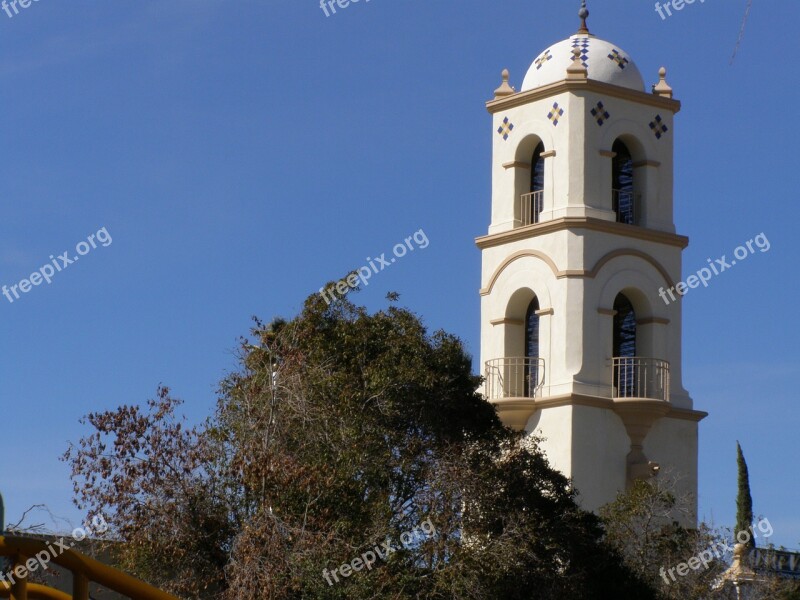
(241, 153)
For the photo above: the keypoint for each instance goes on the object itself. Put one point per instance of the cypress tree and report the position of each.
(744, 502)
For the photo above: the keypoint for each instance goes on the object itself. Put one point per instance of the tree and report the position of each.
(744, 502)
(342, 429)
(158, 485)
(642, 525)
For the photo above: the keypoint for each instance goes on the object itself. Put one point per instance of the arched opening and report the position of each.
(622, 197)
(624, 347)
(533, 201)
(520, 371)
(537, 169)
(532, 348)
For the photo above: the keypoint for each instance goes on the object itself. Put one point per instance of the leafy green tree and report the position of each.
(340, 430)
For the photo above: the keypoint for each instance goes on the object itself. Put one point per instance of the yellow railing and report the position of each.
(35, 592)
(84, 570)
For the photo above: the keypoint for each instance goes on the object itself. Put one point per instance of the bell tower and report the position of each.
(577, 343)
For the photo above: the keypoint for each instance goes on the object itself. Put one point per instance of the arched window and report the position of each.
(533, 202)
(624, 327)
(537, 169)
(624, 347)
(622, 183)
(532, 348)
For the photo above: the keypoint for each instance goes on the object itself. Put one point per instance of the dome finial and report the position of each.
(662, 87)
(505, 89)
(583, 13)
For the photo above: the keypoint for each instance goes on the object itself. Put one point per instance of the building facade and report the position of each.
(580, 339)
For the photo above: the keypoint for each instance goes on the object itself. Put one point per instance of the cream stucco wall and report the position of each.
(575, 261)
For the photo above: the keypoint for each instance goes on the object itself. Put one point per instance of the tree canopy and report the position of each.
(342, 430)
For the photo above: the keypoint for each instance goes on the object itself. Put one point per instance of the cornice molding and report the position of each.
(590, 223)
(686, 414)
(582, 85)
(520, 409)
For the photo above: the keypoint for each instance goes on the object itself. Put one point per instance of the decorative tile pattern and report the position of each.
(583, 44)
(617, 57)
(658, 127)
(506, 128)
(555, 114)
(600, 113)
(543, 58)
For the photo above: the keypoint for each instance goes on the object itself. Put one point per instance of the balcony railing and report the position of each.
(624, 206)
(531, 206)
(514, 378)
(637, 377)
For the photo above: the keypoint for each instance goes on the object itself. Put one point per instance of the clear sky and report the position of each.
(241, 153)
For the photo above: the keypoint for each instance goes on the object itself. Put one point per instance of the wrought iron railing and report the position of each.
(531, 206)
(514, 378)
(624, 206)
(637, 377)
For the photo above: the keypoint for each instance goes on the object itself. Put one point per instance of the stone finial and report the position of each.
(739, 573)
(662, 88)
(504, 89)
(583, 13)
(576, 70)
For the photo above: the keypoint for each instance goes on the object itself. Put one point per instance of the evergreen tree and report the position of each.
(744, 502)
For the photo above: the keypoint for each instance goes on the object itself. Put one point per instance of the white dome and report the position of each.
(603, 60)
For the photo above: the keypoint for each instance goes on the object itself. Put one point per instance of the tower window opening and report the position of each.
(533, 202)
(532, 349)
(622, 198)
(624, 347)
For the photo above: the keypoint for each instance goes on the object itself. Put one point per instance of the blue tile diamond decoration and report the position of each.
(617, 57)
(600, 113)
(583, 44)
(555, 114)
(543, 58)
(658, 127)
(506, 128)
